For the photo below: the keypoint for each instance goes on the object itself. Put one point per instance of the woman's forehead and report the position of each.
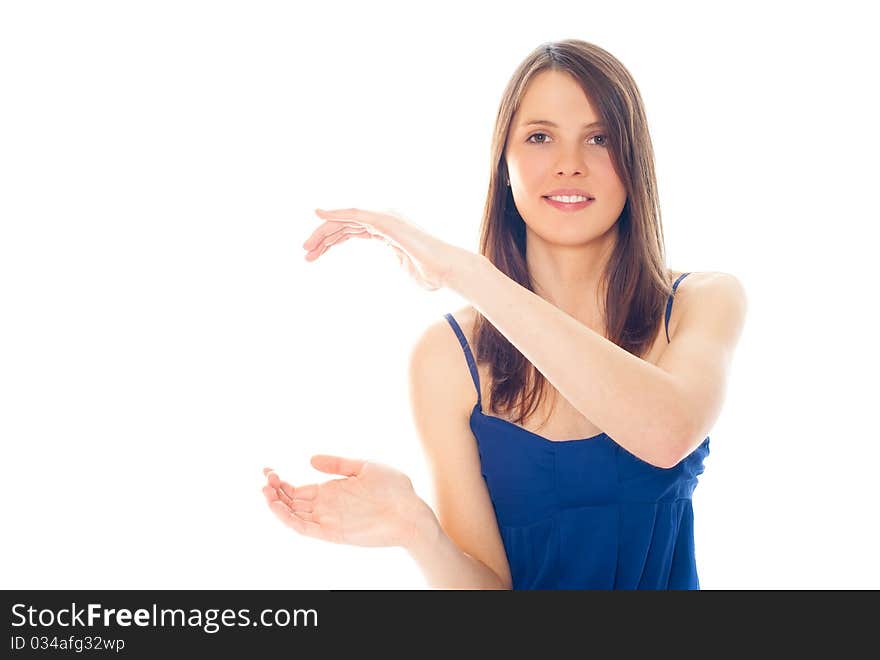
(555, 98)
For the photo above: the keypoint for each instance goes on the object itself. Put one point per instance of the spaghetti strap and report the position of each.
(472, 365)
(669, 303)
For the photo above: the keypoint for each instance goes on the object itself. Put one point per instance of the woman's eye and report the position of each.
(603, 143)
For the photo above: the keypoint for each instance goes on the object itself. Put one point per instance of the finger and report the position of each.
(336, 239)
(361, 233)
(337, 464)
(270, 493)
(317, 252)
(301, 506)
(285, 490)
(321, 249)
(328, 228)
(288, 489)
(273, 479)
(296, 506)
(309, 492)
(380, 221)
(344, 232)
(276, 494)
(285, 497)
(295, 522)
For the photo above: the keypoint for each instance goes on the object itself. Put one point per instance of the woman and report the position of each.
(571, 332)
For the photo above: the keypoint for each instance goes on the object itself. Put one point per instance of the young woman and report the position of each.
(565, 412)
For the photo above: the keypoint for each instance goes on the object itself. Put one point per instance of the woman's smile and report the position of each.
(568, 206)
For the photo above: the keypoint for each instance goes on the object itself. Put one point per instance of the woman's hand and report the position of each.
(430, 261)
(374, 505)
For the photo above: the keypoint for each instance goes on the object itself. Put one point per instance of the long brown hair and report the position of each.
(636, 279)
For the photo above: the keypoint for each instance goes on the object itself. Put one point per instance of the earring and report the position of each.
(508, 182)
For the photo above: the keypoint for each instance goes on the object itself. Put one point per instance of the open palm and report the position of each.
(374, 505)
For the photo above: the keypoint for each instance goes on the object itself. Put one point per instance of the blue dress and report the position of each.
(586, 514)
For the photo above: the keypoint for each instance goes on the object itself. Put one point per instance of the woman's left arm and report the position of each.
(660, 413)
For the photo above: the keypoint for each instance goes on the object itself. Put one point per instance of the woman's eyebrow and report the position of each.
(547, 122)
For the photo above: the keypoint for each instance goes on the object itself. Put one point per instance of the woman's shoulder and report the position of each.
(702, 288)
(439, 336)
(437, 360)
(701, 280)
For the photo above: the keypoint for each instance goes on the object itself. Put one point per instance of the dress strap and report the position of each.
(472, 365)
(669, 303)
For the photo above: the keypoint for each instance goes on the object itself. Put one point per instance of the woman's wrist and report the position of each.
(444, 564)
(468, 267)
(422, 528)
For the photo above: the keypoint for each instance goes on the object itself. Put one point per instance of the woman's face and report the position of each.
(570, 155)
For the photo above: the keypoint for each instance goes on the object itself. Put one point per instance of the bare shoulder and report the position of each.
(711, 285)
(700, 294)
(705, 276)
(706, 285)
(438, 341)
(714, 299)
(437, 362)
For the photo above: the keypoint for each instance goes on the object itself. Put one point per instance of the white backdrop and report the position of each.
(162, 338)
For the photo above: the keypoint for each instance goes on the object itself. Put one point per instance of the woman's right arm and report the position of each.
(460, 547)
(443, 563)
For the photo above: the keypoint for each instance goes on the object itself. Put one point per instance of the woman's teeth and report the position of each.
(569, 200)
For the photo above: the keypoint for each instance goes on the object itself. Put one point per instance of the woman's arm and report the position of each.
(444, 565)
(460, 546)
(375, 505)
(656, 412)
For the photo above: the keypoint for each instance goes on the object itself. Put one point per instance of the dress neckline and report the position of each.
(478, 410)
(531, 435)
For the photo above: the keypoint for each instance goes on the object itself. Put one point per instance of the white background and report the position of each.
(162, 338)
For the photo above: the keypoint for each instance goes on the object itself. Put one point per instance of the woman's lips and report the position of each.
(563, 206)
